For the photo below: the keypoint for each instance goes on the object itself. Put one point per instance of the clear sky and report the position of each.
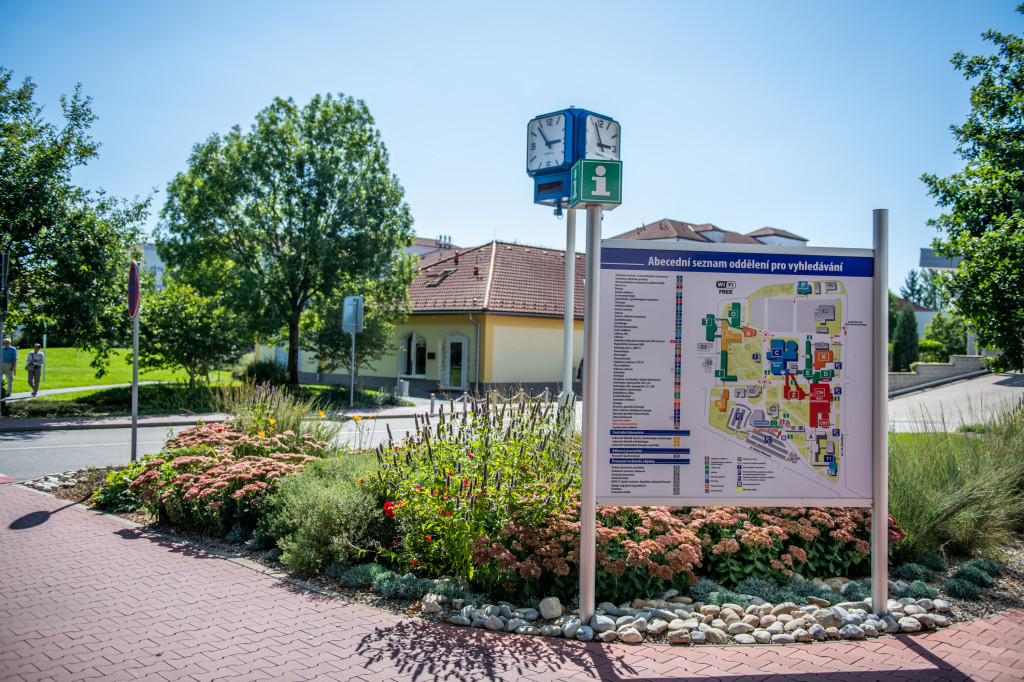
(798, 115)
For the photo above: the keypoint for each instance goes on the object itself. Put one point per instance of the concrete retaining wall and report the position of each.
(926, 372)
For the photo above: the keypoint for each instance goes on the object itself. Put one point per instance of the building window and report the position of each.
(412, 357)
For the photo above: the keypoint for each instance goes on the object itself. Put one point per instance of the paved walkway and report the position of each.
(85, 596)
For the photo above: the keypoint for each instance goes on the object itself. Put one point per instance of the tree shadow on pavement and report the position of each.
(36, 518)
(169, 544)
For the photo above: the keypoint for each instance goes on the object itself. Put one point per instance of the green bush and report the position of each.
(267, 409)
(703, 590)
(961, 589)
(265, 371)
(322, 515)
(932, 351)
(730, 597)
(856, 591)
(115, 496)
(919, 590)
(392, 586)
(974, 575)
(990, 566)
(357, 576)
(927, 559)
(911, 572)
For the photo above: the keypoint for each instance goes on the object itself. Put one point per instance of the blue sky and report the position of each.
(798, 115)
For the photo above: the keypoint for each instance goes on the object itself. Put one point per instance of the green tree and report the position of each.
(912, 289)
(180, 328)
(904, 342)
(985, 201)
(288, 214)
(69, 248)
(950, 331)
(926, 288)
(333, 347)
(893, 302)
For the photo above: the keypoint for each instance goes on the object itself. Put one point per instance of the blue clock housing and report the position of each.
(568, 145)
(551, 183)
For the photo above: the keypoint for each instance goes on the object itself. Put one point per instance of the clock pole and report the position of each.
(566, 404)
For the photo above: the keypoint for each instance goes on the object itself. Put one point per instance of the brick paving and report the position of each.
(85, 596)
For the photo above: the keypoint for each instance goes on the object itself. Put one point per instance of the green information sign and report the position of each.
(596, 182)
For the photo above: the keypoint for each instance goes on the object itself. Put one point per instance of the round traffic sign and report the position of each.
(134, 290)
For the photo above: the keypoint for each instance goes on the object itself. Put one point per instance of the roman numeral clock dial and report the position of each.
(545, 142)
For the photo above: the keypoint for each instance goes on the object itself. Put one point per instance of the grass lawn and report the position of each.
(66, 368)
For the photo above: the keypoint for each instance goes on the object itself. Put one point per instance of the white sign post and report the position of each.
(352, 322)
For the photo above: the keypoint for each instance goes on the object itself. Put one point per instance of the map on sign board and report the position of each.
(736, 376)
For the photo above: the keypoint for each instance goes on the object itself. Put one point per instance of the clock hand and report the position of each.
(540, 129)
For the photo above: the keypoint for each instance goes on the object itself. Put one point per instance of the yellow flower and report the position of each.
(356, 418)
(272, 421)
(320, 413)
(262, 434)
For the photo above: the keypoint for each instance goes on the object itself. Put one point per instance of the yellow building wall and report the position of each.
(514, 348)
(528, 349)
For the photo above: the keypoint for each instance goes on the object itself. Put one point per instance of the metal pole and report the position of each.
(570, 314)
(588, 507)
(42, 375)
(135, 384)
(880, 420)
(352, 374)
(5, 256)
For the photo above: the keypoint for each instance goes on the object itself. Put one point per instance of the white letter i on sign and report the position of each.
(600, 182)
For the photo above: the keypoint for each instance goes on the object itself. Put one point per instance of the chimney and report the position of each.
(456, 257)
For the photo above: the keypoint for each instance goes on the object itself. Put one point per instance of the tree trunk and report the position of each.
(293, 346)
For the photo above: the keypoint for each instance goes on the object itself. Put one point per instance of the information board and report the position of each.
(734, 375)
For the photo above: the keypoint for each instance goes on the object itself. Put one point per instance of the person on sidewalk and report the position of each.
(34, 367)
(8, 365)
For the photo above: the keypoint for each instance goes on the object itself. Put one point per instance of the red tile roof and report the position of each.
(498, 278)
(676, 229)
(775, 232)
(902, 303)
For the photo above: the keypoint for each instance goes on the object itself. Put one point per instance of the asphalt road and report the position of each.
(33, 454)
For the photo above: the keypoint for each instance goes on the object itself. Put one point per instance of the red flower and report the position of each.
(428, 538)
(389, 510)
(469, 454)
(465, 483)
(413, 562)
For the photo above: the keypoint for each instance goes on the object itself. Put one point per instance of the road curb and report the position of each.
(9, 425)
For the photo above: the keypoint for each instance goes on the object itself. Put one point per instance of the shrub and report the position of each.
(116, 495)
(928, 559)
(465, 478)
(805, 588)
(703, 589)
(961, 589)
(392, 586)
(322, 516)
(911, 572)
(196, 487)
(932, 351)
(265, 371)
(730, 597)
(267, 409)
(856, 591)
(974, 575)
(358, 576)
(919, 590)
(993, 568)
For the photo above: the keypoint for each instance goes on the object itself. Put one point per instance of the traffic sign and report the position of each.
(134, 290)
(596, 182)
(352, 315)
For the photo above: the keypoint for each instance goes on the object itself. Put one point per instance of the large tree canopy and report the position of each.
(985, 201)
(284, 216)
(69, 248)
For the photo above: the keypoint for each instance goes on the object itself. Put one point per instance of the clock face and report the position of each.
(545, 142)
(602, 138)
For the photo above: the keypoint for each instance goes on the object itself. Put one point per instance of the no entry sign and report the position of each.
(134, 290)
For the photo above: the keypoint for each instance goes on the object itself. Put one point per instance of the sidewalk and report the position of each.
(87, 596)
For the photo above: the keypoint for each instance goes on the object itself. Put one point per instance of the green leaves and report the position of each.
(286, 217)
(985, 201)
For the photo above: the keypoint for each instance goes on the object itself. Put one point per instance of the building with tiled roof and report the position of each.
(676, 230)
(487, 317)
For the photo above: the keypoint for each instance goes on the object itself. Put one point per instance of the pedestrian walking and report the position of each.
(8, 365)
(34, 367)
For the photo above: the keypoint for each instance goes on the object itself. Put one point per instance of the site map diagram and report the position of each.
(736, 377)
(773, 366)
